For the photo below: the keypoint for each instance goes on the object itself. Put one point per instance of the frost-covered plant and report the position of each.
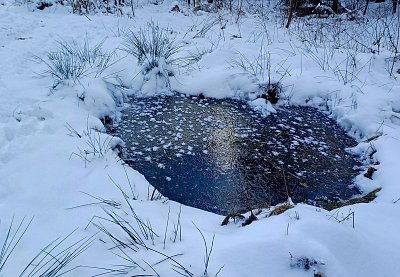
(155, 49)
(64, 65)
(152, 46)
(72, 60)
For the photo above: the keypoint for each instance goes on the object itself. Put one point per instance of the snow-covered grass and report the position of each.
(72, 61)
(58, 165)
(154, 48)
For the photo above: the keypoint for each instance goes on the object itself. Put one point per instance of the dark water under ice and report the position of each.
(221, 156)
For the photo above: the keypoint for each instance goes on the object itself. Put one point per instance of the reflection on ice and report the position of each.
(220, 155)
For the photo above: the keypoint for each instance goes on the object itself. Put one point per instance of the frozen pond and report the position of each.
(221, 156)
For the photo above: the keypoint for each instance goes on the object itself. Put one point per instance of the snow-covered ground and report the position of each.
(45, 135)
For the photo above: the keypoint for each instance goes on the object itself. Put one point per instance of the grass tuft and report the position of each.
(72, 61)
(152, 45)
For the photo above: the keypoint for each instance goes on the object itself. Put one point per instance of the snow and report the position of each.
(47, 161)
(262, 106)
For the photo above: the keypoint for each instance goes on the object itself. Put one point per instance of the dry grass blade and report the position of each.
(207, 252)
(111, 203)
(11, 240)
(52, 262)
(134, 236)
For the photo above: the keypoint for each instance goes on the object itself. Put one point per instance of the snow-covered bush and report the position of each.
(72, 61)
(155, 49)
